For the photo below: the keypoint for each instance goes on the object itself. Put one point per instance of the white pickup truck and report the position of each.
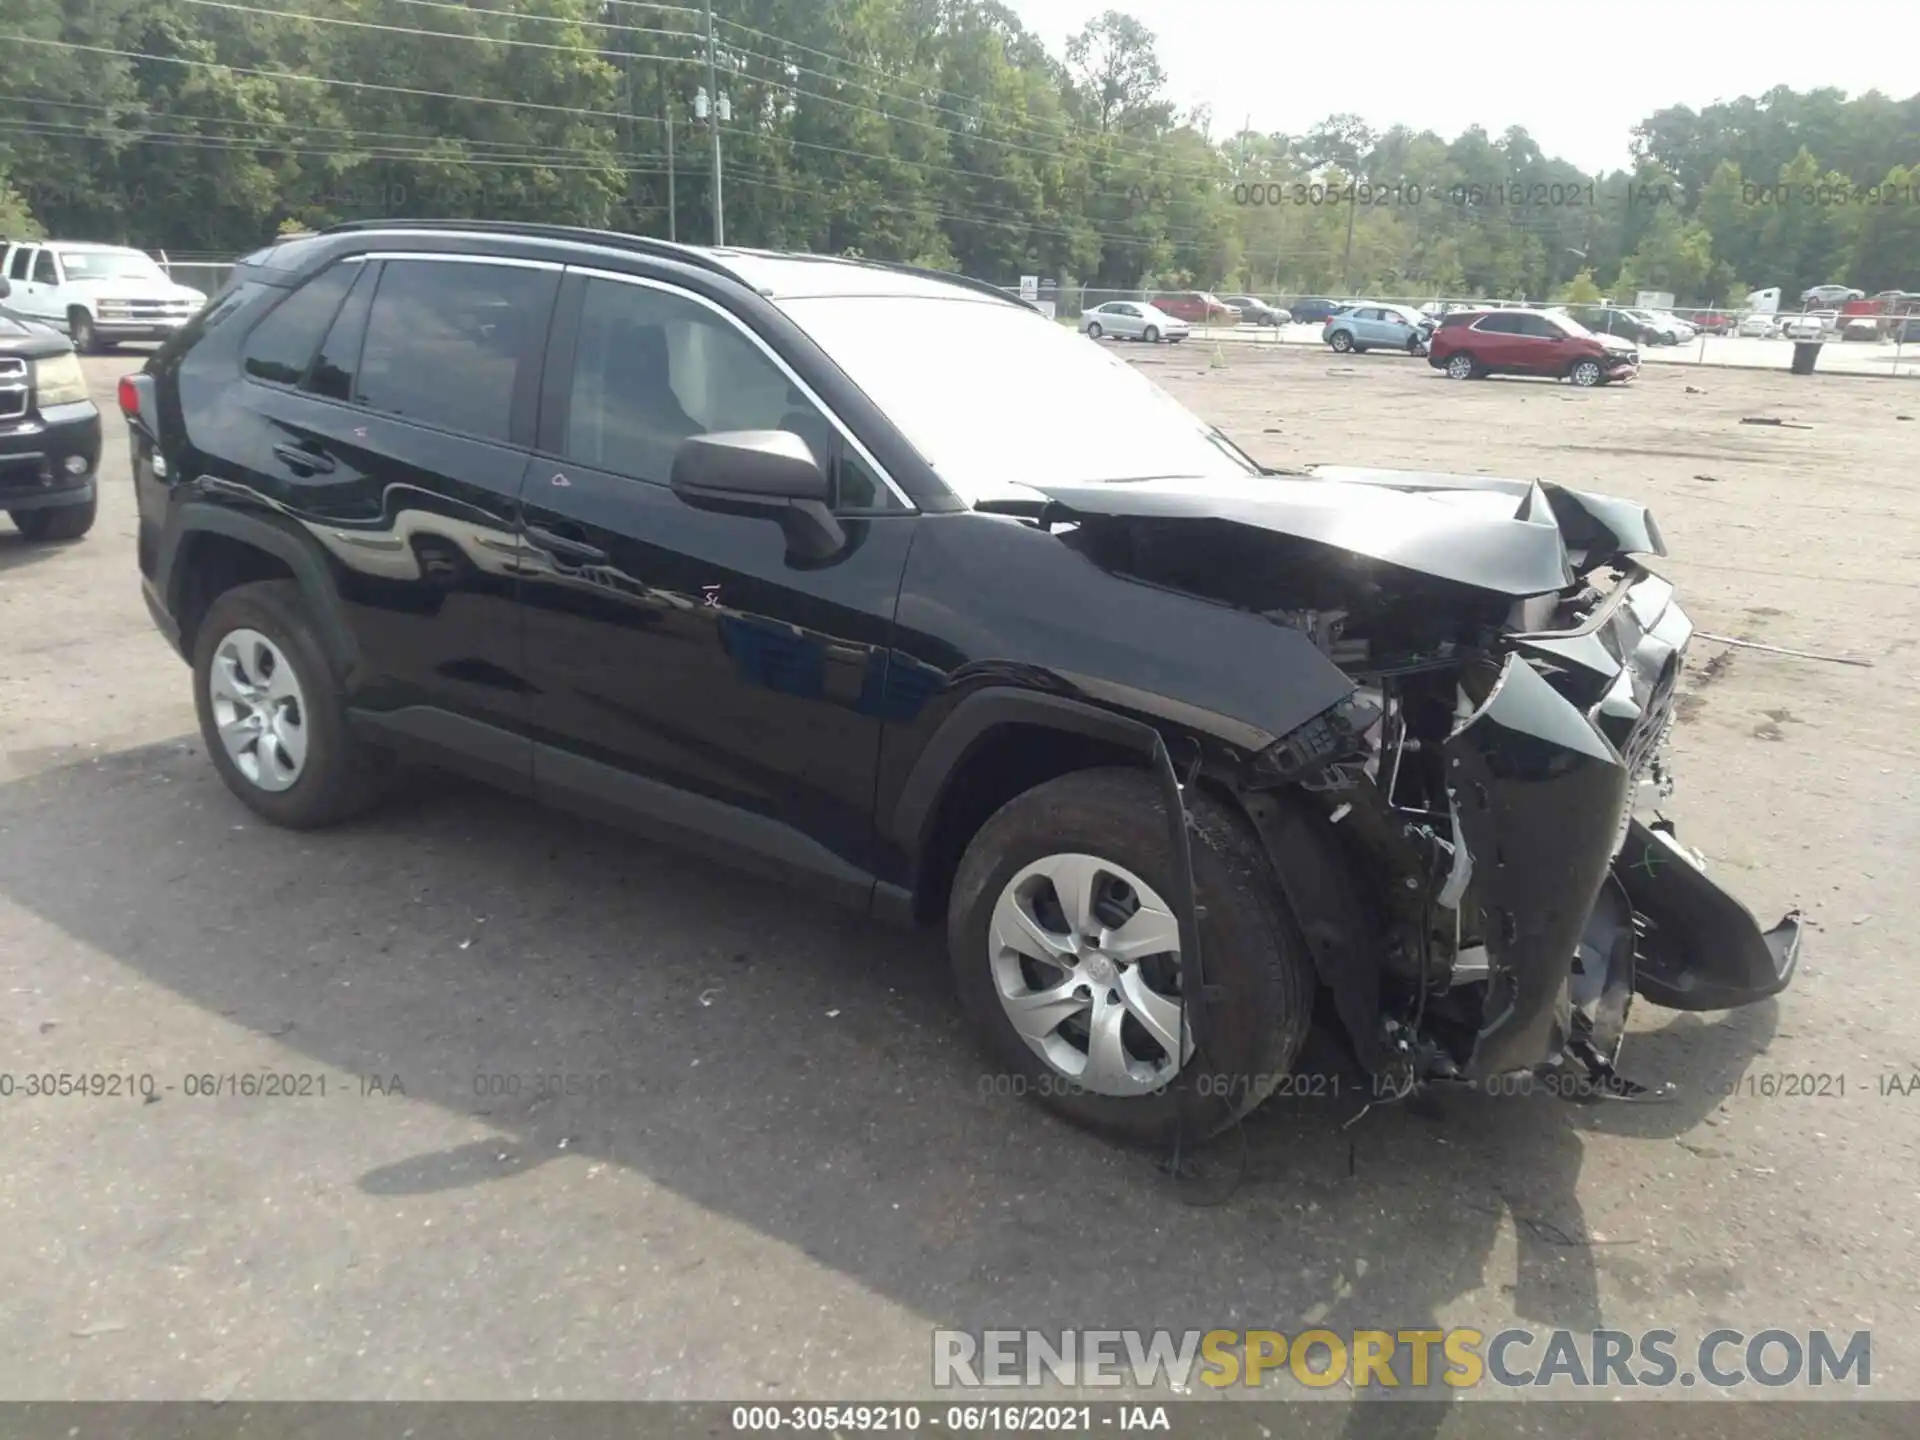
(97, 294)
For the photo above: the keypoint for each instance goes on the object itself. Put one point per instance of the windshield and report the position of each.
(994, 395)
(109, 265)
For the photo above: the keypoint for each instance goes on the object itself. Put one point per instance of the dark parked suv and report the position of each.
(49, 432)
(774, 557)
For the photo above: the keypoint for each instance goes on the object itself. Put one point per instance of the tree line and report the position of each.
(940, 132)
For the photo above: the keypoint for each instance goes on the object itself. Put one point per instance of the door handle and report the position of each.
(312, 462)
(576, 550)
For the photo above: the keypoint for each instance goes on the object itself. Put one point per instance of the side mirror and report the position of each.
(762, 474)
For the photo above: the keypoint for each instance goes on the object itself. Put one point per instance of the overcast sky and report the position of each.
(1578, 77)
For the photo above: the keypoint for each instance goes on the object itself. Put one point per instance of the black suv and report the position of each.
(49, 432)
(792, 561)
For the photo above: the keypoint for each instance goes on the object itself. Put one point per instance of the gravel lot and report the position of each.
(794, 1174)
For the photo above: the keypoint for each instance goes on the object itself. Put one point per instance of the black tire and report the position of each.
(342, 775)
(1151, 334)
(58, 522)
(1093, 331)
(1252, 947)
(1341, 342)
(80, 329)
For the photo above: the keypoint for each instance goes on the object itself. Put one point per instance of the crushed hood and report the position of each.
(1512, 537)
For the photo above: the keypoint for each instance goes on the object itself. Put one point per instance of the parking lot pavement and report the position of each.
(1726, 351)
(602, 1121)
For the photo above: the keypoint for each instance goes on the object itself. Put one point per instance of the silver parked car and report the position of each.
(1133, 320)
(1378, 327)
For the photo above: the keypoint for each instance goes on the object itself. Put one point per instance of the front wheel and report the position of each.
(80, 329)
(1066, 954)
(1586, 373)
(1093, 332)
(1341, 342)
(1151, 334)
(1461, 367)
(57, 522)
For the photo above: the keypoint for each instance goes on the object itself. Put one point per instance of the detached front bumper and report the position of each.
(1582, 905)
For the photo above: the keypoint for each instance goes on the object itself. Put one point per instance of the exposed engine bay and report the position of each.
(1472, 842)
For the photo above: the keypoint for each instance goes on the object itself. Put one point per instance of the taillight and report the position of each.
(129, 396)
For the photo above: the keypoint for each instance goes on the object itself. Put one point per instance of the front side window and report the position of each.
(652, 368)
(446, 342)
(43, 271)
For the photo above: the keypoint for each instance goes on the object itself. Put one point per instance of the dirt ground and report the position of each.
(796, 1174)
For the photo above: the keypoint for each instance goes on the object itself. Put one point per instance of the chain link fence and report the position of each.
(1882, 343)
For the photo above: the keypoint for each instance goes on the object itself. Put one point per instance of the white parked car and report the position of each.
(1811, 326)
(1685, 329)
(1758, 326)
(97, 294)
(1830, 295)
(1133, 320)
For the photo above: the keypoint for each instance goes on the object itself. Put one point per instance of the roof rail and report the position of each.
(580, 234)
(965, 282)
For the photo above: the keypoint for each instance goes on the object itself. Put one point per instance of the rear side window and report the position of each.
(282, 345)
(447, 342)
(1499, 325)
(333, 368)
(17, 263)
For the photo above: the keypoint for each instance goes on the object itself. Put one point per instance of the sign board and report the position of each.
(1654, 300)
(1029, 287)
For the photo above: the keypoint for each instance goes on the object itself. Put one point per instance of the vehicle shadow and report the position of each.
(805, 1072)
(17, 552)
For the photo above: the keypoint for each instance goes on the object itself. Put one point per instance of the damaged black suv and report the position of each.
(876, 580)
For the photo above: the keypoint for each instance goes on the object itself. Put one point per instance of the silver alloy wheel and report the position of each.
(1587, 372)
(259, 709)
(1086, 962)
(1460, 367)
(1341, 342)
(1093, 331)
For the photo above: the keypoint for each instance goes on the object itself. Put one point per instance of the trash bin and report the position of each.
(1805, 353)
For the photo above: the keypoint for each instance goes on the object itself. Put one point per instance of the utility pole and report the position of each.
(713, 89)
(1346, 265)
(673, 208)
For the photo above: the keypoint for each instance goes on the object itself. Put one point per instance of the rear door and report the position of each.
(693, 675)
(1495, 342)
(400, 446)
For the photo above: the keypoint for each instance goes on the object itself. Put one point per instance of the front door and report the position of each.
(693, 674)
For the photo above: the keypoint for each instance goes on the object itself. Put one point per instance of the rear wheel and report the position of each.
(271, 712)
(1341, 342)
(1151, 334)
(1462, 367)
(1093, 331)
(1067, 957)
(58, 522)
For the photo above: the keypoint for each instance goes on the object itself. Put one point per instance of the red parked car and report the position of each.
(1198, 307)
(1476, 343)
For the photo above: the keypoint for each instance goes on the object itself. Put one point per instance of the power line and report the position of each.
(1174, 233)
(439, 34)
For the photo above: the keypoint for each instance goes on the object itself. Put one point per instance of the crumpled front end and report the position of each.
(1564, 893)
